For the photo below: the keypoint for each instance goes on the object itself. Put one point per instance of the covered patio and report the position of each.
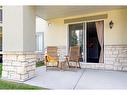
(81, 79)
(19, 45)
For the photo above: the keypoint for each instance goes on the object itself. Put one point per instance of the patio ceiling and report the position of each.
(51, 12)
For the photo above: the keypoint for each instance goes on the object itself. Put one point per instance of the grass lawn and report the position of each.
(0, 69)
(17, 86)
(14, 85)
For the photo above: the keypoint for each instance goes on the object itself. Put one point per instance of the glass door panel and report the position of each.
(93, 46)
(76, 37)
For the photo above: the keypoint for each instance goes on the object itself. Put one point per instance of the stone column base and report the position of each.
(18, 66)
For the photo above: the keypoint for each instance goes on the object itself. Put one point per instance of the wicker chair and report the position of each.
(74, 56)
(51, 57)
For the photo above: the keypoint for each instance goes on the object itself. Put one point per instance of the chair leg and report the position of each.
(79, 65)
(57, 63)
(46, 66)
(75, 64)
(68, 64)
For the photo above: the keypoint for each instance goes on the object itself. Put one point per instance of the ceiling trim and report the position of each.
(88, 18)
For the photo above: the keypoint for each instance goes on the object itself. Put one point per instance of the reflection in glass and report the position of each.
(76, 37)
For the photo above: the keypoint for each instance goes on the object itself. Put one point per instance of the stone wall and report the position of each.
(115, 58)
(18, 66)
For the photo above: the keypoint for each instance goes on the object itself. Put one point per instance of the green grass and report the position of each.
(40, 63)
(0, 69)
(17, 86)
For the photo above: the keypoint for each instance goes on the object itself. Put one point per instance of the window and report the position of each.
(39, 41)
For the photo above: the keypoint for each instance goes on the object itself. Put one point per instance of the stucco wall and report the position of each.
(41, 25)
(29, 34)
(57, 34)
(12, 28)
(118, 34)
(18, 28)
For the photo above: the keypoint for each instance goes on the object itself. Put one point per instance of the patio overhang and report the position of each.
(115, 41)
(53, 12)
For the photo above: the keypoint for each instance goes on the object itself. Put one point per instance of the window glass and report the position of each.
(76, 37)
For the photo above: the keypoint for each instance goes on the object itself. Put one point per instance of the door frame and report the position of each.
(84, 37)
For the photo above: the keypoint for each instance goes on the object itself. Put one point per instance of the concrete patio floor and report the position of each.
(79, 79)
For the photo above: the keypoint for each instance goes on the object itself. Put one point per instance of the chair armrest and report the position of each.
(46, 58)
(66, 56)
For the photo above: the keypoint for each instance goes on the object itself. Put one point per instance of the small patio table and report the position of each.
(62, 62)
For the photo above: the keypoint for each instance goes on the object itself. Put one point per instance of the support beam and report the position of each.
(18, 43)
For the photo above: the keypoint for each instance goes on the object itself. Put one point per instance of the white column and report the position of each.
(18, 43)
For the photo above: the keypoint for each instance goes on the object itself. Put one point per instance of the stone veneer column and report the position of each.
(18, 66)
(18, 38)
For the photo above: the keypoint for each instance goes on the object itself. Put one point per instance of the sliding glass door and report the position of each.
(76, 37)
(92, 46)
(90, 37)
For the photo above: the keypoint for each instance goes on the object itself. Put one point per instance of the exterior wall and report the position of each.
(115, 39)
(41, 28)
(56, 34)
(115, 36)
(12, 27)
(29, 34)
(41, 25)
(19, 43)
(115, 58)
(18, 34)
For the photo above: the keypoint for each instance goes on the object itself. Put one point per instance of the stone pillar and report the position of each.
(18, 43)
(18, 66)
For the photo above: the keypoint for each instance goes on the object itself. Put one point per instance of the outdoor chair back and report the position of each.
(74, 56)
(52, 57)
